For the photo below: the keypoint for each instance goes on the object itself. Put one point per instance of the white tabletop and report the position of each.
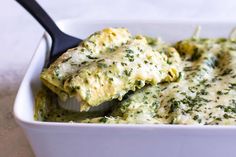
(20, 34)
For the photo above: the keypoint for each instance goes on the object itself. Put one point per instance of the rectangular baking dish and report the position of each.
(50, 139)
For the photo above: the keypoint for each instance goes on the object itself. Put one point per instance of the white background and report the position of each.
(20, 34)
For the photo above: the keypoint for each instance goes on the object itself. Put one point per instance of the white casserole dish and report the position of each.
(106, 140)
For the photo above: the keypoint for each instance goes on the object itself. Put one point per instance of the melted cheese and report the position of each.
(101, 42)
(132, 65)
(144, 105)
(206, 93)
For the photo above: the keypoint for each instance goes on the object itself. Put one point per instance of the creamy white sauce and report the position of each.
(206, 93)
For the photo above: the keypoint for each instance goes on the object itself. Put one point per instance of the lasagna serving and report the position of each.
(192, 81)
